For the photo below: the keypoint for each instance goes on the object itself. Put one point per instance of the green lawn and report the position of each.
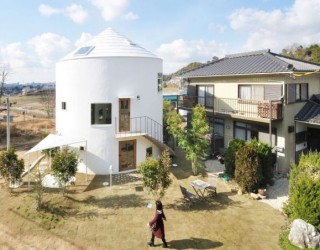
(92, 216)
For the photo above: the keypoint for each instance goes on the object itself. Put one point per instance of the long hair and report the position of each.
(159, 205)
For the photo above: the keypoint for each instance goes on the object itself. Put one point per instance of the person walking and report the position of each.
(157, 226)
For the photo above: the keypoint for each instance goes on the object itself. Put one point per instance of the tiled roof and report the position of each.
(310, 112)
(258, 62)
(109, 43)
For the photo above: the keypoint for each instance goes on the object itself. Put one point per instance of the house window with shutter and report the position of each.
(297, 92)
(260, 92)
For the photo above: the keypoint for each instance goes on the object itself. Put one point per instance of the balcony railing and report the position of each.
(138, 126)
(235, 107)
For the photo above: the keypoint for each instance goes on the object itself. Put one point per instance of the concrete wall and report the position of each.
(81, 82)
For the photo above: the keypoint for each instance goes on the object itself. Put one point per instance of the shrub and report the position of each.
(11, 168)
(265, 158)
(230, 155)
(248, 171)
(304, 190)
(64, 166)
(156, 174)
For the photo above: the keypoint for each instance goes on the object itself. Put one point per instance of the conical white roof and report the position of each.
(109, 44)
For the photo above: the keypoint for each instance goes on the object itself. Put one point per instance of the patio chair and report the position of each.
(188, 197)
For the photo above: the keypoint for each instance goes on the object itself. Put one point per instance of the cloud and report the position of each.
(13, 56)
(49, 47)
(34, 60)
(83, 39)
(218, 27)
(277, 29)
(131, 16)
(111, 9)
(47, 10)
(75, 12)
(180, 53)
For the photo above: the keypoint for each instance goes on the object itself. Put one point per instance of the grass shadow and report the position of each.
(194, 243)
(113, 201)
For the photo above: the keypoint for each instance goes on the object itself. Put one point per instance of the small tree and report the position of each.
(265, 156)
(248, 171)
(11, 168)
(193, 140)
(230, 156)
(156, 174)
(64, 166)
(304, 190)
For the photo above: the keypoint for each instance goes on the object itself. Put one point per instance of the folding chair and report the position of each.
(188, 196)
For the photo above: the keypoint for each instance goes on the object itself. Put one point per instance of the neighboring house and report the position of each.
(259, 95)
(109, 92)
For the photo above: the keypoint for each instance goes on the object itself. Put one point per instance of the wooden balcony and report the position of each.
(263, 111)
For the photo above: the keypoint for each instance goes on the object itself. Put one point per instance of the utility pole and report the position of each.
(8, 122)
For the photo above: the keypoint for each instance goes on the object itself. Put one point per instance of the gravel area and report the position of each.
(277, 194)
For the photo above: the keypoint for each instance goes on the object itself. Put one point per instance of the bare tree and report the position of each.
(48, 100)
(4, 72)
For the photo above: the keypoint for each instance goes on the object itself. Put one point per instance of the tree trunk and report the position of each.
(194, 167)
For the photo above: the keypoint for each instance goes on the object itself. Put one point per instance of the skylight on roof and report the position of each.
(83, 51)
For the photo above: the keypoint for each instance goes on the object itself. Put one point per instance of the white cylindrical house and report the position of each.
(108, 92)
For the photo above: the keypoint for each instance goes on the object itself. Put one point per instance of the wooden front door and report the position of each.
(124, 115)
(127, 155)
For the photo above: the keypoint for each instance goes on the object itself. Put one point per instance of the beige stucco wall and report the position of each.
(227, 87)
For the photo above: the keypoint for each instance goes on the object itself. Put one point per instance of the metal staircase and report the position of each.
(146, 127)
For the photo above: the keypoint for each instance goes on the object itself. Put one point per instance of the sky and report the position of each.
(37, 33)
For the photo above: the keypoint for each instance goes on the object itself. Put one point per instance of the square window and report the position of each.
(101, 113)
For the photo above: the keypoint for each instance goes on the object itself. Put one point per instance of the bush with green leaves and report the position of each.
(230, 156)
(304, 190)
(156, 174)
(248, 172)
(265, 157)
(64, 166)
(11, 168)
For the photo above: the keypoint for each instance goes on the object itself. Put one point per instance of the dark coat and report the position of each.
(158, 230)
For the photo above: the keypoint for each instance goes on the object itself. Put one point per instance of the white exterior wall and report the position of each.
(83, 81)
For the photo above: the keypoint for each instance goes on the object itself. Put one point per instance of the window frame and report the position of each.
(64, 105)
(107, 116)
(255, 92)
(160, 82)
(300, 89)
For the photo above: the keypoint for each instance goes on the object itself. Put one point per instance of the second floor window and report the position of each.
(297, 92)
(101, 113)
(260, 92)
(205, 96)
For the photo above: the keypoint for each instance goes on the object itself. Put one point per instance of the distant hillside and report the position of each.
(311, 54)
(182, 70)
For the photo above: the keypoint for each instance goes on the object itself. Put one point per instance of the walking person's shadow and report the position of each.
(194, 243)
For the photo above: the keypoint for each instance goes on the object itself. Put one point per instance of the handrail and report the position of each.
(264, 109)
(142, 125)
